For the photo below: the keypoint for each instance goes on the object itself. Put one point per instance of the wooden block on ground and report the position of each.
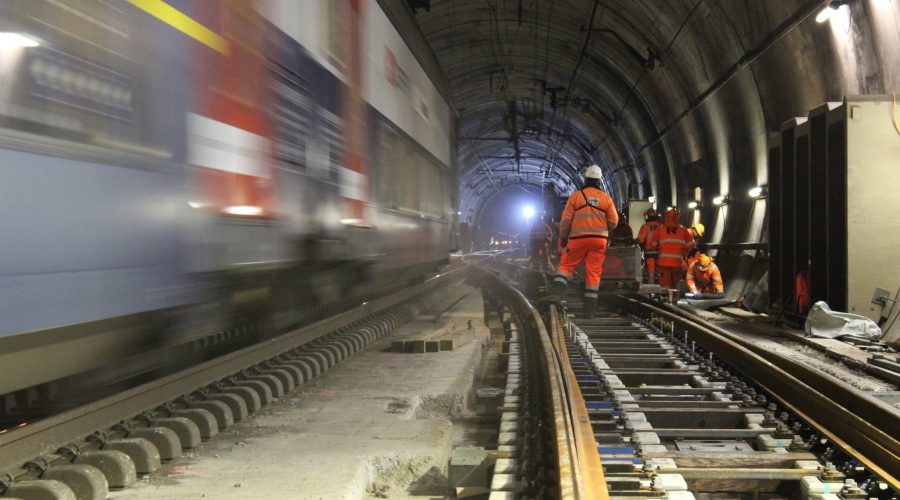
(736, 312)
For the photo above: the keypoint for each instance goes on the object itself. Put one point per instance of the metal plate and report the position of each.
(712, 446)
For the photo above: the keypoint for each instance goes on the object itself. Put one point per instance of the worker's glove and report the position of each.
(563, 242)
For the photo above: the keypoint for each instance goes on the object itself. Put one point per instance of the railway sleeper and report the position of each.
(85, 481)
(288, 382)
(272, 384)
(143, 454)
(294, 372)
(237, 408)
(117, 467)
(660, 430)
(165, 441)
(161, 436)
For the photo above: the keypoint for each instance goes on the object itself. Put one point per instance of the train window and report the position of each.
(335, 23)
(292, 116)
(93, 80)
(387, 161)
(410, 178)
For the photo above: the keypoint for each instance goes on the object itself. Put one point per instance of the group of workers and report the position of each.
(590, 222)
(671, 250)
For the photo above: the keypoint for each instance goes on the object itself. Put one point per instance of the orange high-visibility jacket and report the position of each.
(709, 281)
(589, 213)
(673, 243)
(646, 231)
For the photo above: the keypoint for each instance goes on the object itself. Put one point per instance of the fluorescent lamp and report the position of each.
(825, 14)
(756, 192)
(243, 210)
(830, 10)
(693, 205)
(719, 200)
(528, 211)
(8, 39)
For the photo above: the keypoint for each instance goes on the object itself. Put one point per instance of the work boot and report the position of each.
(557, 292)
(589, 307)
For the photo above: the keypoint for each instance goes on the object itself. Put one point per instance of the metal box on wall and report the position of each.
(833, 205)
(873, 201)
(636, 210)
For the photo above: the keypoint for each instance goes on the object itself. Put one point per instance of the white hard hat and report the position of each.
(593, 172)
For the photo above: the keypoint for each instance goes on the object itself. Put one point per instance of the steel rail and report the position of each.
(858, 423)
(593, 480)
(45, 436)
(578, 462)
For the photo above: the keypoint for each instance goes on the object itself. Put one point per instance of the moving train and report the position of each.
(170, 168)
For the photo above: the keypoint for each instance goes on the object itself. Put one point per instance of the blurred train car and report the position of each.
(168, 169)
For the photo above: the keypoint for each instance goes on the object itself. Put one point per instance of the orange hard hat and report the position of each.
(704, 261)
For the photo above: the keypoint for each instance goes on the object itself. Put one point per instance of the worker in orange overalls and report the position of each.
(651, 224)
(704, 277)
(673, 242)
(583, 232)
(540, 237)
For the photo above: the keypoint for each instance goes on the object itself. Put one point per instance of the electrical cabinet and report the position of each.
(834, 180)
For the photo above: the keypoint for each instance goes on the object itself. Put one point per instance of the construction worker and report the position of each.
(583, 232)
(673, 242)
(650, 225)
(697, 231)
(622, 235)
(704, 277)
(539, 238)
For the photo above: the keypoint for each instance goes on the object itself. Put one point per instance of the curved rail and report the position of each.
(579, 470)
(855, 421)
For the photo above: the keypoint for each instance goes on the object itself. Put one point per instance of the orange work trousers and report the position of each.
(590, 250)
(651, 269)
(669, 276)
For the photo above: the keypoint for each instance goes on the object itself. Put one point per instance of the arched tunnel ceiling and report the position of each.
(643, 88)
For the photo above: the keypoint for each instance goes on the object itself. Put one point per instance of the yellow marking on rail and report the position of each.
(183, 23)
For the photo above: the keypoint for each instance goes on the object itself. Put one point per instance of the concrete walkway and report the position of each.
(370, 427)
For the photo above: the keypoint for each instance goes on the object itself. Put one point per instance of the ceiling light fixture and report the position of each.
(694, 205)
(8, 39)
(829, 10)
(757, 192)
(720, 200)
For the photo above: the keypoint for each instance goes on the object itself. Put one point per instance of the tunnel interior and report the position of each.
(673, 100)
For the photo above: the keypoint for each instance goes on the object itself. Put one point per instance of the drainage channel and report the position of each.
(671, 421)
(85, 452)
